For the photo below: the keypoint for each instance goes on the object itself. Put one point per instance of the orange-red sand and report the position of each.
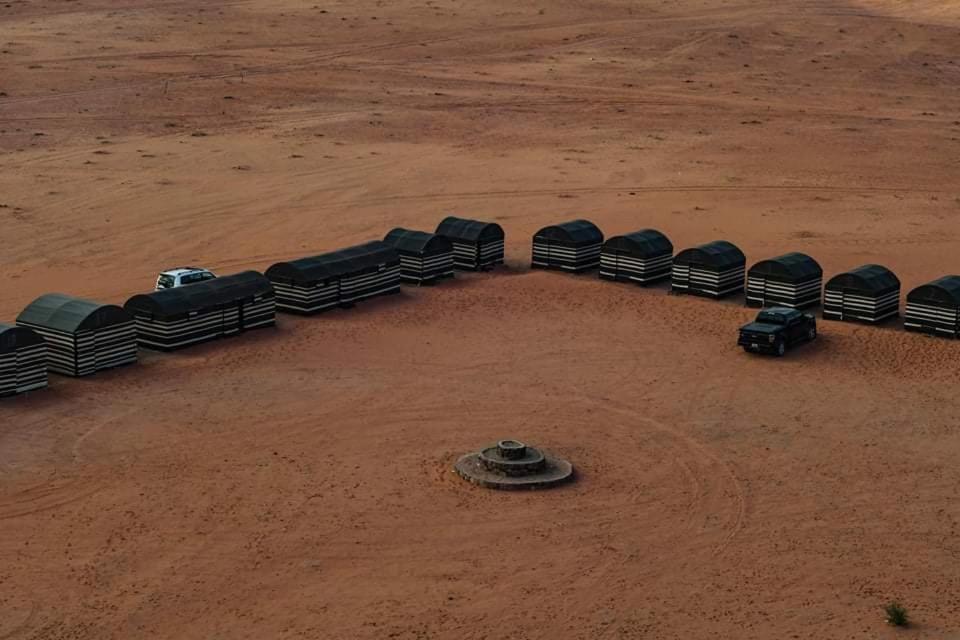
(297, 483)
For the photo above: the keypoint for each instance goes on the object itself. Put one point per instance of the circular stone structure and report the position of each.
(510, 464)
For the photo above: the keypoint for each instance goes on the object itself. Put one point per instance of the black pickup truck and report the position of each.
(777, 329)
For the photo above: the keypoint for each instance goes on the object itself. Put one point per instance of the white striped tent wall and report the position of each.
(418, 269)
(624, 267)
(261, 312)
(703, 282)
(86, 352)
(115, 346)
(473, 256)
(369, 285)
(8, 374)
(176, 334)
(766, 292)
(838, 305)
(23, 369)
(552, 256)
(31, 368)
(61, 349)
(299, 299)
(933, 319)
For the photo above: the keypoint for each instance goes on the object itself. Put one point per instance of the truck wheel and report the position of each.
(781, 348)
(812, 334)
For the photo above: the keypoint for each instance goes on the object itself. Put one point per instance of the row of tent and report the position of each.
(76, 337)
(870, 293)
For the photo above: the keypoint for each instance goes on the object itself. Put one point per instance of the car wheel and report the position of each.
(781, 348)
(812, 334)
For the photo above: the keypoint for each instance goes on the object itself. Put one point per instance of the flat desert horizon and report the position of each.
(297, 482)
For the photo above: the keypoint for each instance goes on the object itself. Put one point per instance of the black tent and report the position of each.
(935, 308)
(476, 245)
(571, 246)
(711, 270)
(641, 257)
(82, 336)
(23, 360)
(424, 257)
(791, 280)
(870, 293)
(310, 285)
(174, 318)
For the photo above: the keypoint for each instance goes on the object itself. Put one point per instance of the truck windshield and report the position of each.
(771, 318)
(164, 282)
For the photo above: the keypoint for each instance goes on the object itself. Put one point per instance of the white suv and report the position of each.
(182, 275)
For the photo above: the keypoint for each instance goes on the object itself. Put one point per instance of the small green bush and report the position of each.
(897, 614)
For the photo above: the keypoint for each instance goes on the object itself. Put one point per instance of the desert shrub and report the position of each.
(897, 614)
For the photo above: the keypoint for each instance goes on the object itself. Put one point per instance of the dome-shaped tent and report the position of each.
(338, 278)
(935, 308)
(571, 246)
(869, 293)
(23, 360)
(712, 270)
(182, 316)
(477, 245)
(791, 280)
(82, 336)
(642, 257)
(424, 257)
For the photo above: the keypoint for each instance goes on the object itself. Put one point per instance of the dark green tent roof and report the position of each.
(13, 338)
(869, 279)
(646, 243)
(575, 233)
(790, 267)
(943, 291)
(719, 254)
(200, 296)
(355, 260)
(419, 242)
(69, 314)
(466, 230)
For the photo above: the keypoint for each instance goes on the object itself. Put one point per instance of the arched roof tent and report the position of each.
(645, 243)
(871, 279)
(332, 265)
(71, 315)
(420, 242)
(13, 338)
(934, 308)
(943, 292)
(200, 296)
(790, 267)
(574, 233)
(455, 228)
(717, 255)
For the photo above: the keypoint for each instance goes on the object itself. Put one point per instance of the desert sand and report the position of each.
(297, 483)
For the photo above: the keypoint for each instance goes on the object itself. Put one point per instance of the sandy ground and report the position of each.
(296, 483)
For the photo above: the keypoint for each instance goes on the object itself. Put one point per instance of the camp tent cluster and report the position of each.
(175, 318)
(77, 337)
